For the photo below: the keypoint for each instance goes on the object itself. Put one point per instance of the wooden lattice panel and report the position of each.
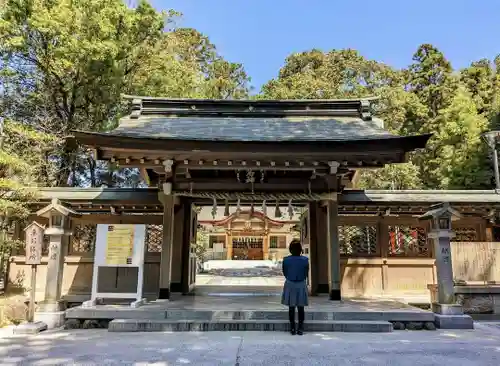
(83, 239)
(465, 234)
(154, 238)
(409, 241)
(358, 241)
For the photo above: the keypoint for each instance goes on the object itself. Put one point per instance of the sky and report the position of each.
(260, 34)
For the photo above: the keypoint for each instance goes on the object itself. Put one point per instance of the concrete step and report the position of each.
(209, 315)
(141, 325)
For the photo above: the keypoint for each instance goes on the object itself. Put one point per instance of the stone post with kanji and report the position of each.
(448, 314)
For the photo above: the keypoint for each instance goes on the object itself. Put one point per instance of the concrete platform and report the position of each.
(209, 308)
(454, 321)
(134, 325)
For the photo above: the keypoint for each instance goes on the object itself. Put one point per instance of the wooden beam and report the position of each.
(278, 163)
(234, 186)
(390, 145)
(120, 219)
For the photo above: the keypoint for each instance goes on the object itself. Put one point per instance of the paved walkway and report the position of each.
(479, 347)
(251, 277)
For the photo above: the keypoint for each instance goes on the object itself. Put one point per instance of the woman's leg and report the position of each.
(291, 317)
(302, 316)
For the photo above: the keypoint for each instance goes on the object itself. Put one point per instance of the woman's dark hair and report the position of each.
(295, 247)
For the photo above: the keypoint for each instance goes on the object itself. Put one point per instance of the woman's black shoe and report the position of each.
(300, 331)
(292, 329)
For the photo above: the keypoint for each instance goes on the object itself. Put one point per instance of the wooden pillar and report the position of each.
(383, 250)
(265, 246)
(167, 245)
(188, 237)
(180, 227)
(322, 251)
(311, 222)
(229, 245)
(333, 250)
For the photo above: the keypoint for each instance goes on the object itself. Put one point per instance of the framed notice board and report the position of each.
(119, 245)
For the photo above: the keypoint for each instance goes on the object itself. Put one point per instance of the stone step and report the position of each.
(141, 325)
(208, 315)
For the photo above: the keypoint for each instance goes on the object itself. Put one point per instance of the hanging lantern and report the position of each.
(277, 212)
(264, 207)
(214, 209)
(226, 208)
(290, 209)
(238, 207)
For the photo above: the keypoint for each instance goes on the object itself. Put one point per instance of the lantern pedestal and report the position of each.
(30, 328)
(52, 319)
(52, 313)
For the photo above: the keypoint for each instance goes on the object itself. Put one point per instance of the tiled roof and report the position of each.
(252, 128)
(251, 120)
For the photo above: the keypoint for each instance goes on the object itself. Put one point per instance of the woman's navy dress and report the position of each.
(295, 270)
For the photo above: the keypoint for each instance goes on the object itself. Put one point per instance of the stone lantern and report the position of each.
(449, 314)
(59, 217)
(51, 310)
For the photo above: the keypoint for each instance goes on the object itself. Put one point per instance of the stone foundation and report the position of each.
(475, 299)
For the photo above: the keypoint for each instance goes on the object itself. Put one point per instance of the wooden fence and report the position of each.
(476, 262)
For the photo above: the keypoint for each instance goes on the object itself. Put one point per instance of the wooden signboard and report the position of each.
(34, 242)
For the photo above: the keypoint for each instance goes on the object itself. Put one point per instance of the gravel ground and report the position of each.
(98, 347)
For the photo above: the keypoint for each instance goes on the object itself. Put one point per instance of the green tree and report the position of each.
(479, 80)
(393, 177)
(322, 75)
(66, 67)
(21, 165)
(63, 68)
(185, 64)
(430, 77)
(346, 74)
(456, 157)
(201, 245)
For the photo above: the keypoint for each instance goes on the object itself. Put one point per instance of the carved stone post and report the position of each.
(51, 310)
(449, 314)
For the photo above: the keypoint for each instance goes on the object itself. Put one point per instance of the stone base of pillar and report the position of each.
(53, 319)
(51, 306)
(451, 316)
(447, 309)
(30, 328)
(335, 295)
(164, 294)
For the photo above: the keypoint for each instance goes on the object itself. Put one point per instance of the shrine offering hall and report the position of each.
(242, 161)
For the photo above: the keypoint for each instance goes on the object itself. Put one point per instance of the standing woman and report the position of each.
(295, 270)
